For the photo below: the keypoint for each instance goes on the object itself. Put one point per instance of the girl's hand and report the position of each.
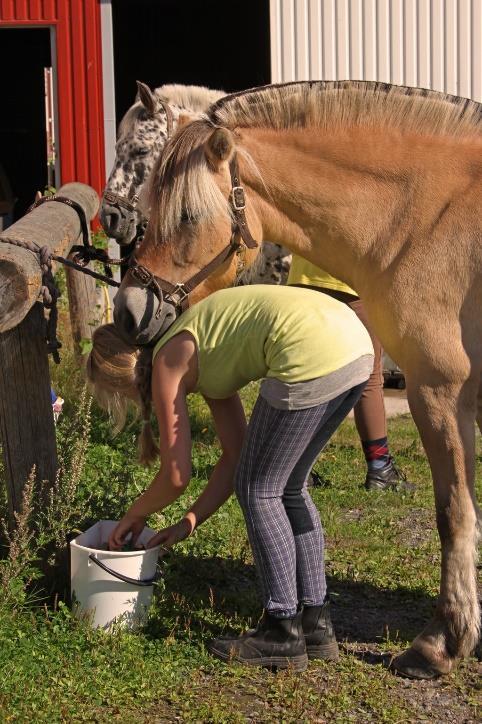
(171, 535)
(129, 524)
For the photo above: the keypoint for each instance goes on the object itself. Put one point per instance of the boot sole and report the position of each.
(297, 663)
(390, 488)
(327, 652)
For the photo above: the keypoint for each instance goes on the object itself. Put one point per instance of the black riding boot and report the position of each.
(319, 634)
(276, 643)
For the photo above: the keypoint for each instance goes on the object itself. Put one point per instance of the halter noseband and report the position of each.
(178, 294)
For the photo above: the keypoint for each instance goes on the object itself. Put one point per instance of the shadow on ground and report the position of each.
(203, 593)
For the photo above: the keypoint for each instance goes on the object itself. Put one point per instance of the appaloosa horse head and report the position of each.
(142, 134)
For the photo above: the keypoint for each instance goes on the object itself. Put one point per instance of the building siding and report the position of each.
(427, 43)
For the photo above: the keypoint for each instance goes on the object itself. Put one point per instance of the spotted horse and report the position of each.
(142, 134)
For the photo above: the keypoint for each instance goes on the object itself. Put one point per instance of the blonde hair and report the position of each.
(120, 373)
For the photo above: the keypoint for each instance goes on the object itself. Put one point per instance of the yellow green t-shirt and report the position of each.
(304, 272)
(248, 333)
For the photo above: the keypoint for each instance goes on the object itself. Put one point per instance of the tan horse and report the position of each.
(381, 186)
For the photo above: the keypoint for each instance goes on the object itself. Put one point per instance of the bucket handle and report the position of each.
(125, 579)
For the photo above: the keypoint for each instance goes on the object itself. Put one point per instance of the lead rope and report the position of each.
(83, 255)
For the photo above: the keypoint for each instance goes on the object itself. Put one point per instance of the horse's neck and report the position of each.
(329, 198)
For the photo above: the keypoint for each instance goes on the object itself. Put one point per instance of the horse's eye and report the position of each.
(186, 217)
(143, 151)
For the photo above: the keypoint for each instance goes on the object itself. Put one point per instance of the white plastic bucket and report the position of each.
(111, 587)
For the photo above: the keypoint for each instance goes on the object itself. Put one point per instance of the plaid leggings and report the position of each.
(284, 527)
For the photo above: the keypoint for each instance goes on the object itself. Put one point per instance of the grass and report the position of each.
(382, 564)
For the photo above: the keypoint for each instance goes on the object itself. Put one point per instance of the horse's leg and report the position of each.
(445, 414)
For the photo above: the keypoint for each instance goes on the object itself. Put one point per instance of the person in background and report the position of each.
(370, 417)
(314, 357)
(57, 404)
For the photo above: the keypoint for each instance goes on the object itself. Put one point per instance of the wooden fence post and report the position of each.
(26, 420)
(85, 307)
(27, 430)
(56, 226)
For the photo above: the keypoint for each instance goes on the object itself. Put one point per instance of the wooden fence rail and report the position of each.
(26, 420)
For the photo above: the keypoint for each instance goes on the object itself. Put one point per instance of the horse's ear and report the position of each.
(220, 146)
(147, 97)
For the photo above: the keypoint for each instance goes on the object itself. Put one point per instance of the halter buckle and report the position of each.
(142, 275)
(181, 292)
(238, 198)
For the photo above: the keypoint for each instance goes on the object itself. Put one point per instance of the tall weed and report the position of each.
(37, 541)
(19, 569)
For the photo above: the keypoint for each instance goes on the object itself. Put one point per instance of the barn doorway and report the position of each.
(24, 53)
(213, 43)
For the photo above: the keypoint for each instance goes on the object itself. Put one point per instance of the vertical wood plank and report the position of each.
(301, 39)
(342, 40)
(370, 40)
(451, 33)
(465, 49)
(21, 10)
(288, 40)
(437, 45)
(476, 54)
(356, 40)
(275, 35)
(383, 41)
(396, 42)
(410, 35)
(423, 47)
(7, 10)
(315, 40)
(329, 40)
(26, 421)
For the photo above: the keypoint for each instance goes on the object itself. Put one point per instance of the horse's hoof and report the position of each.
(414, 665)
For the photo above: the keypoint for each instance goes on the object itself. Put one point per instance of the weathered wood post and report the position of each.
(26, 420)
(85, 307)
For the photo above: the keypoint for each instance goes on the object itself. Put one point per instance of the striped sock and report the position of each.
(376, 453)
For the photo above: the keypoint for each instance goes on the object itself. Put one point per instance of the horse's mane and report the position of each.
(196, 98)
(340, 103)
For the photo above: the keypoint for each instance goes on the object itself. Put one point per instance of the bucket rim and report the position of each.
(73, 543)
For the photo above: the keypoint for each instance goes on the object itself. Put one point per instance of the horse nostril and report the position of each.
(110, 220)
(125, 321)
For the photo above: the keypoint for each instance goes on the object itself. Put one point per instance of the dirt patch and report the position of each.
(416, 528)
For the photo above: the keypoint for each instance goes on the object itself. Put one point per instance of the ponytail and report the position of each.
(148, 449)
(118, 373)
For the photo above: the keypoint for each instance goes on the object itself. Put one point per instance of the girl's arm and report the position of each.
(169, 396)
(230, 423)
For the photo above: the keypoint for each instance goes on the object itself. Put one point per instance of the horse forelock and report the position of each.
(182, 183)
(332, 104)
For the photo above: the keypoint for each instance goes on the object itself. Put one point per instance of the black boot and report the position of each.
(388, 478)
(276, 643)
(319, 634)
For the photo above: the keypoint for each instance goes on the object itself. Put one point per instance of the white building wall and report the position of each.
(427, 43)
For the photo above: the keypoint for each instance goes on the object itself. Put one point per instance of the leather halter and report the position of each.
(130, 203)
(178, 294)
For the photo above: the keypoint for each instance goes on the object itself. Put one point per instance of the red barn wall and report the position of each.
(79, 80)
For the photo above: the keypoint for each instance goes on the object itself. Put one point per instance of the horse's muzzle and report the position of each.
(138, 318)
(119, 224)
